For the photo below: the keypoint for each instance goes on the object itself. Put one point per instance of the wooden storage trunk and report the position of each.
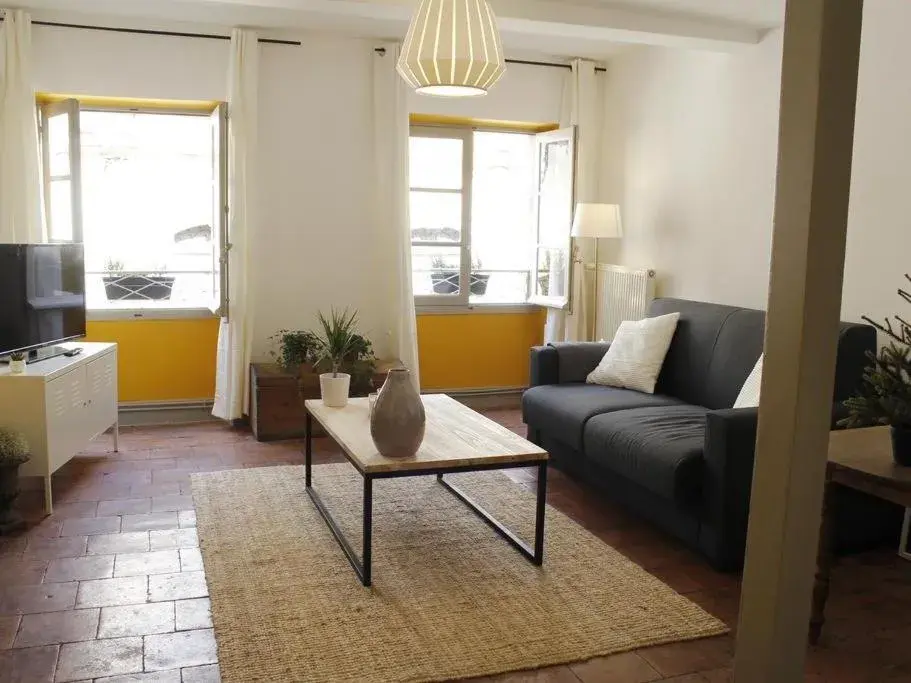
(277, 396)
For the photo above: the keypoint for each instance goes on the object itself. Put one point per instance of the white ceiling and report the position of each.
(561, 28)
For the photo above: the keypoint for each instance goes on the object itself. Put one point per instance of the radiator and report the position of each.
(623, 294)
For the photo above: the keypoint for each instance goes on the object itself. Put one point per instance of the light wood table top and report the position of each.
(454, 436)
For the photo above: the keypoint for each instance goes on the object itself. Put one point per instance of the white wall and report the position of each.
(316, 248)
(691, 157)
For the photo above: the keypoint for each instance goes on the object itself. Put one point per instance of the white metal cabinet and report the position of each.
(60, 405)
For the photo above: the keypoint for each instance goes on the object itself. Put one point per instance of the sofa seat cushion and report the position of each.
(561, 410)
(659, 448)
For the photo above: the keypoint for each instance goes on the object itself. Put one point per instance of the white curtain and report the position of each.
(390, 116)
(235, 334)
(20, 180)
(583, 108)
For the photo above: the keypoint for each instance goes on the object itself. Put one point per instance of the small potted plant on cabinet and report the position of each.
(17, 362)
(13, 452)
(884, 397)
(336, 342)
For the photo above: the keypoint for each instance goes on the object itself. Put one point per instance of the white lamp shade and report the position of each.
(597, 220)
(452, 49)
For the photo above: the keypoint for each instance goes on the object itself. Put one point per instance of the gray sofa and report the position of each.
(683, 457)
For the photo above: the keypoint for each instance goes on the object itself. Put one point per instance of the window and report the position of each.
(143, 190)
(491, 212)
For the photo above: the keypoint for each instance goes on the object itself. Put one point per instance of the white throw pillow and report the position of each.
(636, 355)
(749, 392)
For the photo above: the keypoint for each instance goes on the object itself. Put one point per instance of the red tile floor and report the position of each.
(110, 588)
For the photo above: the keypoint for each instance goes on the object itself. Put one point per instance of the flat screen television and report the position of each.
(42, 297)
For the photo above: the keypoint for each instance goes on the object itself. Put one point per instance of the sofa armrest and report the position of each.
(544, 366)
(730, 450)
(565, 362)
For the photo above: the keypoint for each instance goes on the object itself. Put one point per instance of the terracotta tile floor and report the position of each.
(110, 587)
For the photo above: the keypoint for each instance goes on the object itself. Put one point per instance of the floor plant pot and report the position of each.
(17, 367)
(9, 490)
(901, 445)
(398, 420)
(334, 389)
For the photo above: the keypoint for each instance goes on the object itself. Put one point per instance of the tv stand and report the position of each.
(60, 405)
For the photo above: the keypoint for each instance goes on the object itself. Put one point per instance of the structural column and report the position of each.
(818, 97)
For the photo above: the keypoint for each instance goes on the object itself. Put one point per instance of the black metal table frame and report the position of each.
(362, 565)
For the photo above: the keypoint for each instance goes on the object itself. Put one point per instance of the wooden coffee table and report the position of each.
(456, 439)
(860, 459)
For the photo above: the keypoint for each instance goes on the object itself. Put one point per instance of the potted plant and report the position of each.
(479, 280)
(336, 341)
(297, 350)
(885, 393)
(13, 452)
(445, 279)
(17, 362)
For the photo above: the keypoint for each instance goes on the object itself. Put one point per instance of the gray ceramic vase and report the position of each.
(397, 421)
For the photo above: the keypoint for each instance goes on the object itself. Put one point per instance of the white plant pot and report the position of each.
(16, 367)
(334, 389)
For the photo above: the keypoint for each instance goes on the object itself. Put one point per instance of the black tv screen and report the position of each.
(42, 295)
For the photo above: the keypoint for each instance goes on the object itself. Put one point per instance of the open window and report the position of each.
(144, 188)
(62, 167)
(491, 215)
(552, 262)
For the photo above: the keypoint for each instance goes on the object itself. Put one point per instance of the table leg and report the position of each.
(539, 513)
(903, 550)
(48, 496)
(367, 552)
(117, 436)
(308, 449)
(824, 560)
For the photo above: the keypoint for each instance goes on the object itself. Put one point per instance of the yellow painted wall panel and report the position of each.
(473, 351)
(162, 360)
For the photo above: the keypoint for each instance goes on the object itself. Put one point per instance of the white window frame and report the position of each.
(447, 301)
(555, 302)
(219, 115)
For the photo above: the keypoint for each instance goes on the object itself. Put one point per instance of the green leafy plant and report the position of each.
(885, 394)
(337, 338)
(295, 348)
(113, 266)
(13, 448)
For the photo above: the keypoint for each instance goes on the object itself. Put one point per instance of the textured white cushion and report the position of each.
(636, 355)
(749, 392)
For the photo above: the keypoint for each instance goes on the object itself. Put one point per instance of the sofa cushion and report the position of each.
(659, 448)
(561, 410)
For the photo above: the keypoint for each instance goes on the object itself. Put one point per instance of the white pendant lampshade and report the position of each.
(452, 49)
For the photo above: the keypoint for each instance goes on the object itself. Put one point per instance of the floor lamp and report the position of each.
(596, 221)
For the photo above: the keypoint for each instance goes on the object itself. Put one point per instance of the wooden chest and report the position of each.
(277, 396)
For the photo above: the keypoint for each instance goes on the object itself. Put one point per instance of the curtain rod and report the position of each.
(552, 65)
(149, 32)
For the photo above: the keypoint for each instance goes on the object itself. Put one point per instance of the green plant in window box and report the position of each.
(14, 452)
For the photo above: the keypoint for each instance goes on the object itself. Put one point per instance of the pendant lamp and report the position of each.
(452, 49)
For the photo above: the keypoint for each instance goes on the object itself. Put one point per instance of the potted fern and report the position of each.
(337, 340)
(884, 397)
(13, 452)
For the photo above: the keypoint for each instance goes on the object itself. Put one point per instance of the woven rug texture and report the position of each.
(450, 598)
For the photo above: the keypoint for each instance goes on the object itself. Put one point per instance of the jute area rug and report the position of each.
(450, 599)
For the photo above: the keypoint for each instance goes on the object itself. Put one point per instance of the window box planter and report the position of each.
(138, 287)
(447, 282)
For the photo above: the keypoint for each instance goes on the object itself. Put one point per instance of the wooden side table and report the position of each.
(860, 459)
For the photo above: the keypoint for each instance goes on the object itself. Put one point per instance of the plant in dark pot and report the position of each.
(478, 280)
(13, 452)
(885, 394)
(336, 341)
(445, 277)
